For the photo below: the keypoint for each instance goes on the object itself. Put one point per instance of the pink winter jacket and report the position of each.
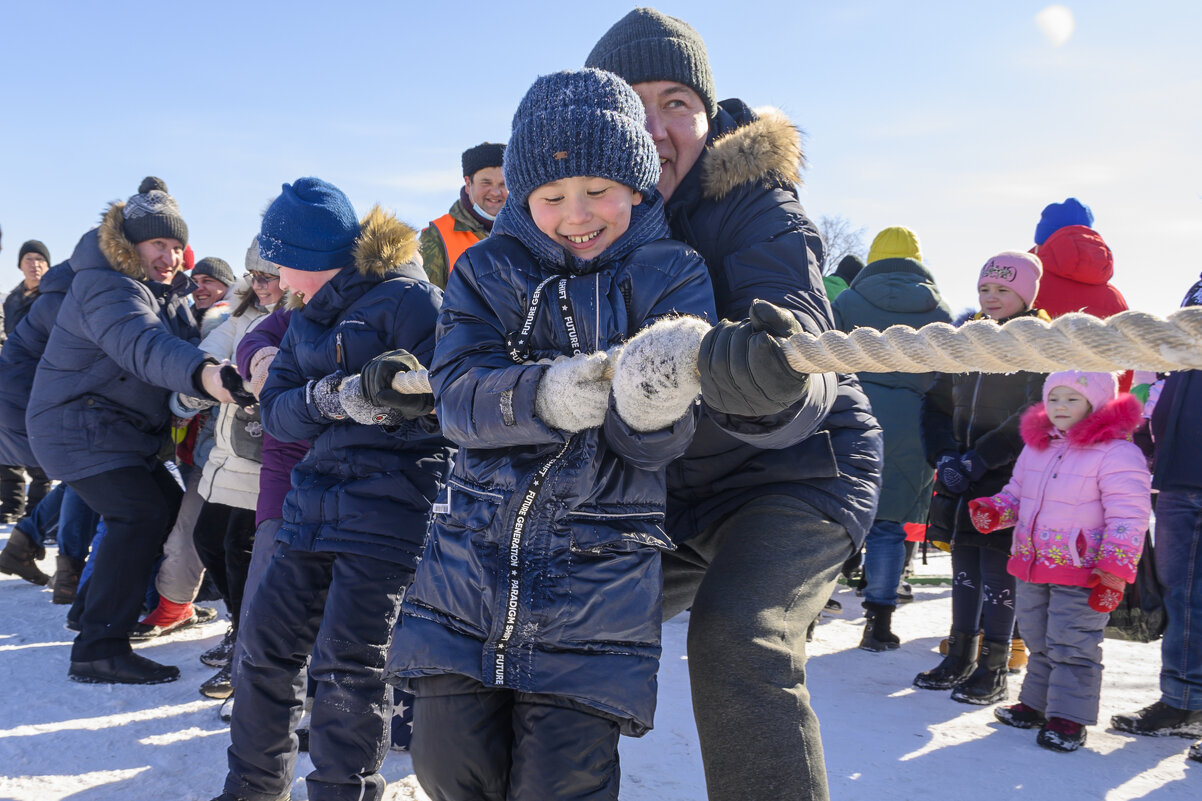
(1082, 499)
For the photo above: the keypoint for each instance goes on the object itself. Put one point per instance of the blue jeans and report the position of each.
(884, 561)
(1179, 562)
(76, 525)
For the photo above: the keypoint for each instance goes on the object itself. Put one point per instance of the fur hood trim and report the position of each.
(116, 248)
(1116, 420)
(214, 316)
(384, 243)
(767, 150)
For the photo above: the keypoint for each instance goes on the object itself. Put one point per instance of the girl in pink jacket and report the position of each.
(1080, 500)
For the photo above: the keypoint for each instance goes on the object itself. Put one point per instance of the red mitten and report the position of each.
(986, 514)
(1107, 591)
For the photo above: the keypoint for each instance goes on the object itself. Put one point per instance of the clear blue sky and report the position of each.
(958, 120)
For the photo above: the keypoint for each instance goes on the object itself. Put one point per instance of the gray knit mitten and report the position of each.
(192, 403)
(363, 411)
(324, 395)
(573, 394)
(656, 380)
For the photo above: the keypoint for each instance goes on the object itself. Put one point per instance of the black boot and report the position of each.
(66, 579)
(960, 662)
(19, 558)
(987, 684)
(878, 636)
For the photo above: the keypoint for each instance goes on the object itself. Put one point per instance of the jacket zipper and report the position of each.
(972, 418)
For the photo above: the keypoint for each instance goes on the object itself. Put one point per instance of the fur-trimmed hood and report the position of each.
(766, 150)
(1116, 420)
(115, 246)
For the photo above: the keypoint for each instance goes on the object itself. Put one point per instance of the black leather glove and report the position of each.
(743, 367)
(376, 383)
(233, 384)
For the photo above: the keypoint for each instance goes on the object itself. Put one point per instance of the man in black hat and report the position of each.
(470, 218)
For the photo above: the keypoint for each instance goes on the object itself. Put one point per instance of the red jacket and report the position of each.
(1077, 268)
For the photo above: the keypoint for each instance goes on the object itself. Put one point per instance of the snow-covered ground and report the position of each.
(884, 739)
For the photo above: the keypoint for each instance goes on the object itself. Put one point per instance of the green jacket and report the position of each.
(434, 251)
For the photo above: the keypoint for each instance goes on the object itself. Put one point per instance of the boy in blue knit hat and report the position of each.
(531, 633)
(354, 521)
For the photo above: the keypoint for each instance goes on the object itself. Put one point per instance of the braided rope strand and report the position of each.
(1128, 340)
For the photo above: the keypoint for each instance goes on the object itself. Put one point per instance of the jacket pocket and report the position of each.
(111, 430)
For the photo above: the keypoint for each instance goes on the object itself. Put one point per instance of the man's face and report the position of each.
(677, 122)
(208, 291)
(486, 188)
(161, 257)
(33, 267)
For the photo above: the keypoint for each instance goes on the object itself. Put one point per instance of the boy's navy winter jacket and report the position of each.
(1177, 424)
(361, 489)
(738, 207)
(19, 361)
(542, 571)
(120, 345)
(885, 293)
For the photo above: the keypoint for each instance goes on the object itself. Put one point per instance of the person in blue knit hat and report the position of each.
(531, 633)
(354, 521)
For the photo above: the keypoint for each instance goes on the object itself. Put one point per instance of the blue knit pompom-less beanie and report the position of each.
(579, 123)
(1060, 215)
(311, 226)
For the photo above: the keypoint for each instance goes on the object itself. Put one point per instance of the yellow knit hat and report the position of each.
(895, 243)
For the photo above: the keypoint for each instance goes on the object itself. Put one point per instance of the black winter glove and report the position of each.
(958, 472)
(376, 383)
(233, 384)
(743, 367)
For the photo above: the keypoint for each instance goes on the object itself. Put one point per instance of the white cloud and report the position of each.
(1056, 23)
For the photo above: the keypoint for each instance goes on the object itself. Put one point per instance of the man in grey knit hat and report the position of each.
(780, 483)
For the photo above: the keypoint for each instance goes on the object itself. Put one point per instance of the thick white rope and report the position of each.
(1130, 340)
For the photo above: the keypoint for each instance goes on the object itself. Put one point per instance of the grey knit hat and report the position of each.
(582, 123)
(256, 263)
(215, 268)
(152, 213)
(646, 45)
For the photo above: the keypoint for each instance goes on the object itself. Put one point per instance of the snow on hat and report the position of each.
(311, 226)
(646, 45)
(256, 263)
(1016, 270)
(153, 214)
(895, 243)
(1098, 388)
(1059, 215)
(215, 268)
(579, 123)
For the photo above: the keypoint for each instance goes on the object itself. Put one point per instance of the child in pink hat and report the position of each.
(1079, 499)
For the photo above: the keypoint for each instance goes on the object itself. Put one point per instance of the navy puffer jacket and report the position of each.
(738, 207)
(892, 292)
(120, 345)
(19, 361)
(361, 489)
(542, 571)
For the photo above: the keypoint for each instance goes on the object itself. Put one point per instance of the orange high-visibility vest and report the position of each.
(455, 242)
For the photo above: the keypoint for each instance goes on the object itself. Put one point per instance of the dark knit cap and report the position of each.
(483, 155)
(1061, 215)
(33, 246)
(849, 267)
(311, 226)
(646, 45)
(218, 269)
(153, 214)
(583, 123)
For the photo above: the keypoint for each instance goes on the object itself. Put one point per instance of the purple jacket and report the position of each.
(275, 479)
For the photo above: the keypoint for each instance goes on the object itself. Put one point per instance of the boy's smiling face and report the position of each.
(583, 214)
